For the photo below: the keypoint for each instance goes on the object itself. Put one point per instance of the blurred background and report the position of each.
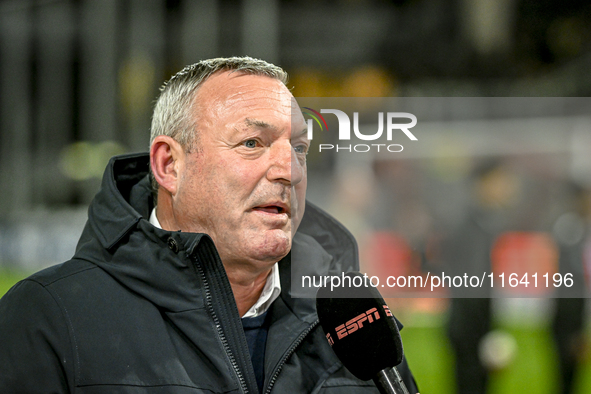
(78, 79)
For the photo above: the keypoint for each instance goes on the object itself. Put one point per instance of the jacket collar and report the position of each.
(111, 213)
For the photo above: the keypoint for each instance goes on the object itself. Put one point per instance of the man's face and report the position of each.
(244, 183)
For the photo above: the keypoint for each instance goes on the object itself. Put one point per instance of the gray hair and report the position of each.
(174, 110)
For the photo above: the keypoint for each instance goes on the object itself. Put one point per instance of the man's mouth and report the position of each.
(274, 208)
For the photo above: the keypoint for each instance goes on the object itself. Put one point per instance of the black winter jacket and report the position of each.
(143, 310)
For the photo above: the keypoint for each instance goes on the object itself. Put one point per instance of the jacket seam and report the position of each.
(72, 338)
(74, 345)
(327, 372)
(151, 385)
(185, 310)
(45, 284)
(82, 383)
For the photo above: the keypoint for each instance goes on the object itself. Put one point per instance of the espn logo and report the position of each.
(330, 340)
(387, 310)
(357, 323)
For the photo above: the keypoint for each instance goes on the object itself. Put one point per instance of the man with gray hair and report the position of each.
(181, 283)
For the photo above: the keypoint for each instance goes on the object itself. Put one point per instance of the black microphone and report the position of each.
(362, 331)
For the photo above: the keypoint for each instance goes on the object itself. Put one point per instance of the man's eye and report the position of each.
(301, 149)
(250, 143)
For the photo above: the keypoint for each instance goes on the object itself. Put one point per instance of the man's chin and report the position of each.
(273, 247)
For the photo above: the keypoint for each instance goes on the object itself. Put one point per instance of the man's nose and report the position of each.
(285, 166)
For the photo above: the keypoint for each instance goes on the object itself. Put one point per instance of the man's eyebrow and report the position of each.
(259, 123)
(262, 124)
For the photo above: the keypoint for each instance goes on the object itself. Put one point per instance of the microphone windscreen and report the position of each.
(359, 326)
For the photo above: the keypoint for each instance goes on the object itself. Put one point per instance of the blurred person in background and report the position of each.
(467, 250)
(571, 233)
(181, 278)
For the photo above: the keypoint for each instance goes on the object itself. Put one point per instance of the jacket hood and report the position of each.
(114, 238)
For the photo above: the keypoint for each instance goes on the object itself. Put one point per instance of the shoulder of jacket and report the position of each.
(60, 272)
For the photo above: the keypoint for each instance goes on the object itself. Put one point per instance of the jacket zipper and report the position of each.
(218, 326)
(287, 354)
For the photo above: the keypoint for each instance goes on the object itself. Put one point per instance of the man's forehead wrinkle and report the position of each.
(241, 101)
(230, 87)
(276, 99)
(266, 90)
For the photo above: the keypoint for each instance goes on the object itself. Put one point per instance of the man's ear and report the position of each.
(166, 158)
